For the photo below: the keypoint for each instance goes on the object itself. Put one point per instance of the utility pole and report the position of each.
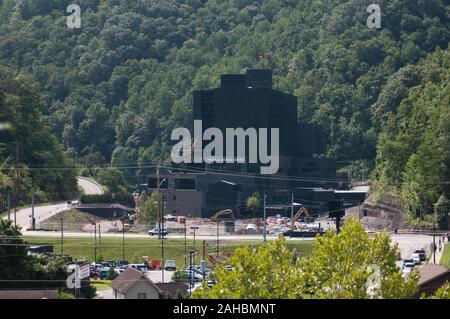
(185, 244)
(159, 199)
(62, 237)
(123, 239)
(204, 258)
(100, 239)
(162, 247)
(95, 242)
(264, 219)
(9, 206)
(16, 184)
(359, 211)
(194, 228)
(33, 224)
(217, 240)
(434, 240)
(162, 259)
(191, 272)
(292, 214)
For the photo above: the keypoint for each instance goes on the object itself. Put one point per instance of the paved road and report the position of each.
(41, 213)
(408, 243)
(134, 235)
(89, 187)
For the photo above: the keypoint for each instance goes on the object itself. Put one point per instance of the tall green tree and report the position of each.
(347, 265)
(253, 203)
(147, 210)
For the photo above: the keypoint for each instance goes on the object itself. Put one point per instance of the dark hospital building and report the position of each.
(244, 101)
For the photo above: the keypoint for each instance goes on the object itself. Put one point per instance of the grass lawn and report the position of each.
(135, 248)
(101, 284)
(445, 259)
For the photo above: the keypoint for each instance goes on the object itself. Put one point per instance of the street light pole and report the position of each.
(191, 271)
(194, 228)
(162, 247)
(264, 220)
(62, 236)
(33, 225)
(95, 242)
(292, 214)
(158, 189)
(123, 239)
(9, 206)
(100, 240)
(217, 241)
(434, 240)
(185, 244)
(162, 259)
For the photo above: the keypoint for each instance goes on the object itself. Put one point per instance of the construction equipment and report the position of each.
(302, 211)
(225, 212)
(229, 224)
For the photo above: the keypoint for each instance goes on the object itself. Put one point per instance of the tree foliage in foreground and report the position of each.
(344, 265)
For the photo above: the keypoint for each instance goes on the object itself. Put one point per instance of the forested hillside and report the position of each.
(117, 87)
(414, 150)
(26, 137)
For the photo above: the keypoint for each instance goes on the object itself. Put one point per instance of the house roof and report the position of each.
(29, 294)
(430, 272)
(172, 288)
(128, 278)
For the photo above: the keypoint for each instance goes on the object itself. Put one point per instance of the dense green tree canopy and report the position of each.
(117, 87)
(413, 159)
(125, 78)
(29, 140)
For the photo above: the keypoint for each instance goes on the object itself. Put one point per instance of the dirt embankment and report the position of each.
(384, 213)
(74, 220)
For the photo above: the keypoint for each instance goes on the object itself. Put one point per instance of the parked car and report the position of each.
(408, 263)
(171, 217)
(140, 267)
(421, 253)
(122, 262)
(103, 274)
(416, 258)
(156, 231)
(251, 228)
(170, 265)
(119, 270)
(94, 274)
(193, 275)
(207, 270)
